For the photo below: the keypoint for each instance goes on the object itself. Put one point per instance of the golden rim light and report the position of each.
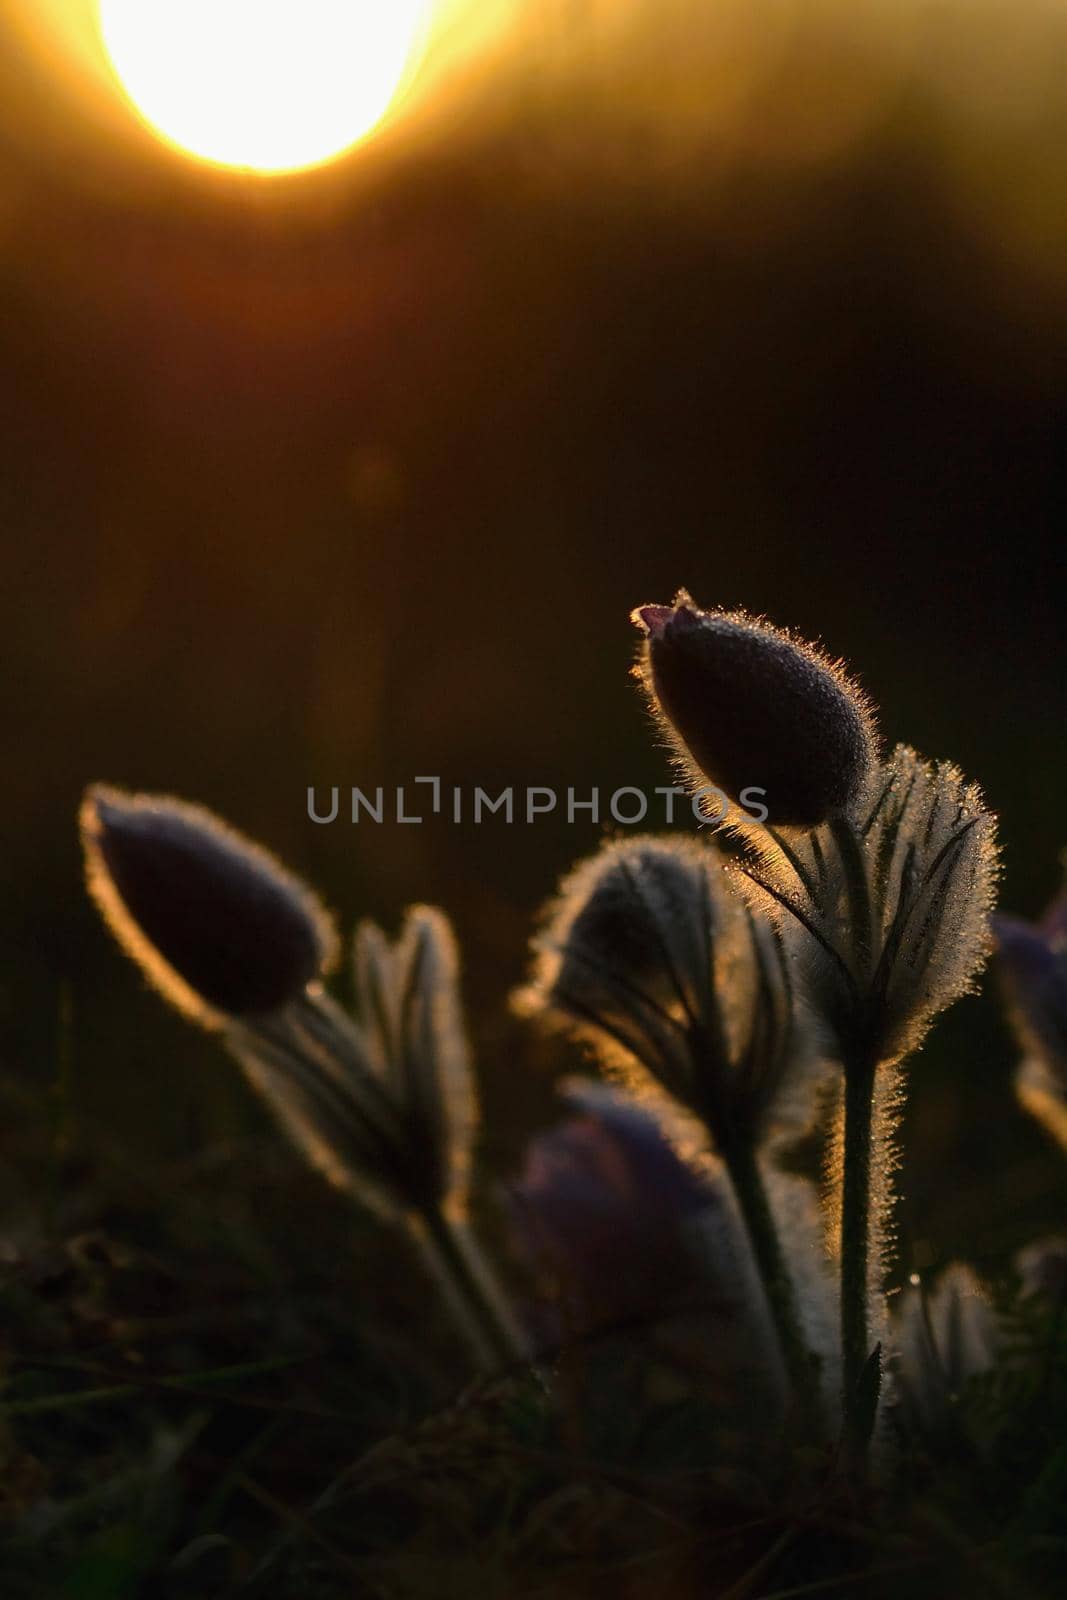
(267, 86)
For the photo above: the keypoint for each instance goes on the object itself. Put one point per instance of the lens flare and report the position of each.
(266, 85)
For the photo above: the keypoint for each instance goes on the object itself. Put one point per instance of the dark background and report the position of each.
(348, 478)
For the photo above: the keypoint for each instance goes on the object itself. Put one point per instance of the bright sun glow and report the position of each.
(270, 85)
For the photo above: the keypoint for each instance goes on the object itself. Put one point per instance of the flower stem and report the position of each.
(747, 1179)
(860, 1068)
(855, 1241)
(475, 1298)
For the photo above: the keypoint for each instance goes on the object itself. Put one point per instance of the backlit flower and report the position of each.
(895, 899)
(686, 994)
(749, 706)
(214, 921)
(648, 954)
(1032, 959)
(604, 1202)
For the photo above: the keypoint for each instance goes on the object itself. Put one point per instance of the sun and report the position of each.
(266, 85)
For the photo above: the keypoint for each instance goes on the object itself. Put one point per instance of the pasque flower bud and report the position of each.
(622, 1229)
(604, 1201)
(1033, 968)
(893, 904)
(750, 706)
(649, 955)
(686, 995)
(214, 921)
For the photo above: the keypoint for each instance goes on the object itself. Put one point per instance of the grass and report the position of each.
(219, 1380)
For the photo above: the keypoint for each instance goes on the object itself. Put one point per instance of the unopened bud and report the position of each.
(215, 922)
(749, 705)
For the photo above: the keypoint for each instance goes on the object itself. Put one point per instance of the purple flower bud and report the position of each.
(1033, 969)
(215, 922)
(604, 1201)
(750, 706)
(647, 954)
(1042, 1269)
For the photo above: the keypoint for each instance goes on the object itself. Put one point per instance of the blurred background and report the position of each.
(354, 475)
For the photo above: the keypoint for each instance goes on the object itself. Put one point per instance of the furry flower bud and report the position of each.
(383, 1103)
(750, 706)
(1033, 971)
(649, 956)
(1042, 1270)
(895, 903)
(621, 1229)
(604, 1201)
(686, 996)
(215, 922)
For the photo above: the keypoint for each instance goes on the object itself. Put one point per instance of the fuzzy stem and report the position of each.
(455, 1299)
(475, 1299)
(860, 1069)
(855, 1237)
(491, 1292)
(747, 1179)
